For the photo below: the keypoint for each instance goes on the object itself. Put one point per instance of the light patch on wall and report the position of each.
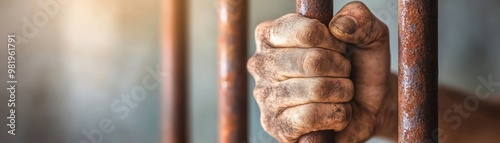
(90, 36)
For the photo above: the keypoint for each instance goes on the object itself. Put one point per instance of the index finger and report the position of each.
(296, 31)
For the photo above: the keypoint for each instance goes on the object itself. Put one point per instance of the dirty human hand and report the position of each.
(305, 82)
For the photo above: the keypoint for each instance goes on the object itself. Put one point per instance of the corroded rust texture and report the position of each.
(233, 79)
(418, 70)
(174, 87)
(323, 11)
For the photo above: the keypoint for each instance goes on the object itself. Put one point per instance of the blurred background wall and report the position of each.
(85, 63)
(75, 59)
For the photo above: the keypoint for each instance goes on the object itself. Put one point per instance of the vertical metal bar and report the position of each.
(232, 48)
(323, 11)
(418, 70)
(174, 63)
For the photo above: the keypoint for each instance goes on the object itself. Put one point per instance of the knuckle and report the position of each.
(333, 116)
(320, 62)
(342, 65)
(251, 63)
(258, 93)
(255, 66)
(344, 111)
(261, 30)
(264, 66)
(329, 90)
(321, 89)
(315, 61)
(313, 32)
(341, 116)
(261, 26)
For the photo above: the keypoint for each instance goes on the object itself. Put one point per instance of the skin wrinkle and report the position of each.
(269, 63)
(292, 106)
(281, 92)
(283, 34)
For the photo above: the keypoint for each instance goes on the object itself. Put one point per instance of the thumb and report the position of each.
(355, 24)
(370, 58)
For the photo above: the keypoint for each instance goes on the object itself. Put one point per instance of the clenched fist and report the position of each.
(306, 82)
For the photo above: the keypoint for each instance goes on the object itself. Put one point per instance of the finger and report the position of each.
(299, 91)
(316, 116)
(294, 30)
(360, 129)
(284, 63)
(261, 35)
(355, 24)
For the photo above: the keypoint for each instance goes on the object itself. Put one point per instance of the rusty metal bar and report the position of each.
(232, 48)
(418, 70)
(323, 11)
(174, 57)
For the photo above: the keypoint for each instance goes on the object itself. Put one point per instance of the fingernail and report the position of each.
(345, 24)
